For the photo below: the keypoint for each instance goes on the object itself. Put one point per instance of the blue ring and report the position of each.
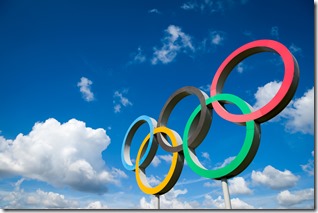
(151, 148)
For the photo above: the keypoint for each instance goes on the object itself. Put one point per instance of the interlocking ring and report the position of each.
(174, 171)
(200, 120)
(149, 152)
(282, 97)
(244, 157)
(198, 130)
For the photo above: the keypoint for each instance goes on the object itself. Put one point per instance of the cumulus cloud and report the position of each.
(167, 201)
(173, 43)
(96, 205)
(236, 203)
(120, 100)
(67, 154)
(238, 185)
(85, 89)
(289, 199)
(19, 199)
(298, 115)
(274, 178)
(265, 93)
(155, 162)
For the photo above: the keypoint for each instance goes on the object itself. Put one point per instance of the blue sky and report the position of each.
(75, 75)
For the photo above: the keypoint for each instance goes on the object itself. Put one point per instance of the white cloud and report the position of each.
(266, 93)
(295, 49)
(274, 178)
(226, 162)
(289, 199)
(167, 201)
(174, 42)
(237, 185)
(67, 154)
(154, 11)
(96, 205)
(213, 183)
(120, 100)
(138, 57)
(189, 6)
(205, 88)
(205, 155)
(210, 6)
(217, 37)
(275, 32)
(309, 167)
(153, 181)
(166, 158)
(299, 114)
(85, 89)
(39, 199)
(240, 67)
(236, 203)
(155, 162)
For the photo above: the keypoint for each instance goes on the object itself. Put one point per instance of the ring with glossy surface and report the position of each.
(282, 97)
(244, 157)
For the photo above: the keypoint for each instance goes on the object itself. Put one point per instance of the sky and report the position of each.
(74, 75)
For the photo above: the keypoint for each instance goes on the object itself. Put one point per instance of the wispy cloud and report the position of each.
(275, 32)
(85, 89)
(241, 67)
(205, 155)
(154, 10)
(120, 100)
(210, 6)
(205, 88)
(295, 49)
(137, 57)
(309, 167)
(173, 43)
(225, 162)
(217, 37)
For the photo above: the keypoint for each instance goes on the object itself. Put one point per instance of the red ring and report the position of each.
(282, 97)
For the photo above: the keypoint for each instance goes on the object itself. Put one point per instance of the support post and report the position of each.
(226, 193)
(158, 201)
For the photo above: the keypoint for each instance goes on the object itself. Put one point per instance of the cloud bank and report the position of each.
(68, 154)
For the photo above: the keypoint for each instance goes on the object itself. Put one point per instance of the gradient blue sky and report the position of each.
(75, 74)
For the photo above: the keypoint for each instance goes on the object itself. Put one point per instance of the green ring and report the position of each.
(244, 157)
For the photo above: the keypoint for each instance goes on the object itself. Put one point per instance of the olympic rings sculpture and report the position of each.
(199, 122)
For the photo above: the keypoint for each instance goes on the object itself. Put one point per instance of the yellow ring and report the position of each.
(174, 171)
